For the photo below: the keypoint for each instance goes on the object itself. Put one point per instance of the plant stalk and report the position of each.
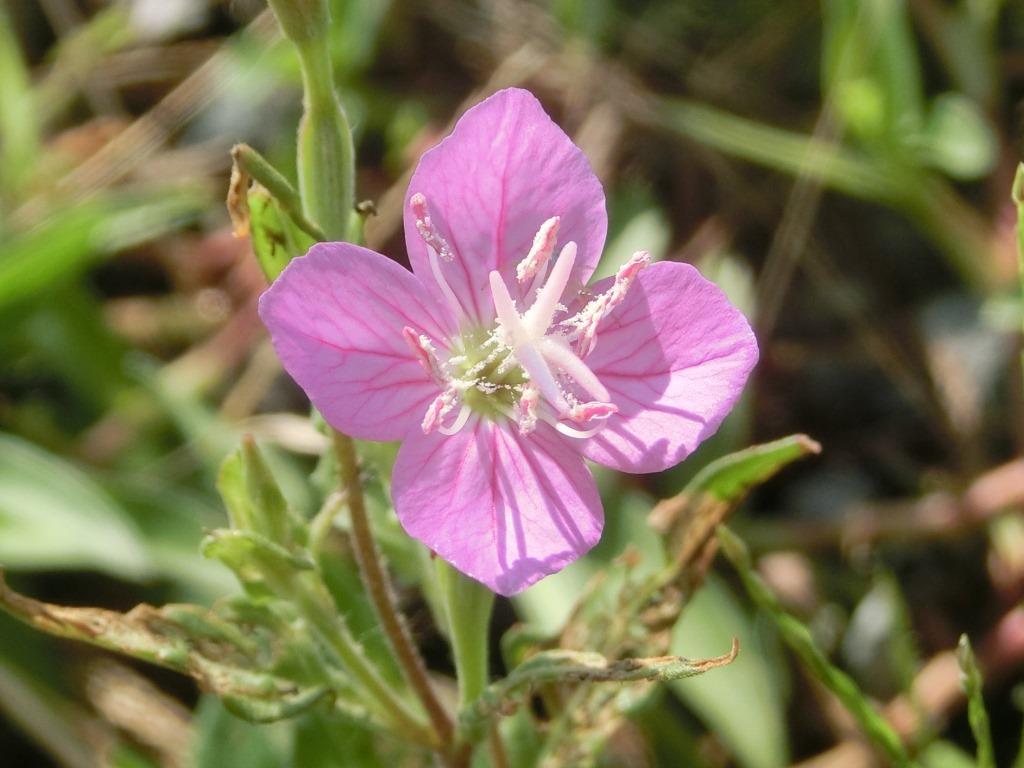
(382, 595)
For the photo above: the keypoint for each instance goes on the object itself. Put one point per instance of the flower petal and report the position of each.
(505, 509)
(336, 316)
(505, 169)
(674, 356)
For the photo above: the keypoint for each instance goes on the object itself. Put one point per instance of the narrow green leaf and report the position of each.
(977, 715)
(562, 666)
(744, 704)
(731, 477)
(271, 517)
(800, 641)
(843, 169)
(19, 137)
(246, 671)
(70, 240)
(231, 486)
(250, 163)
(53, 516)
(1017, 194)
(259, 563)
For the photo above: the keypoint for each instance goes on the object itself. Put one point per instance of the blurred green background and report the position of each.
(842, 168)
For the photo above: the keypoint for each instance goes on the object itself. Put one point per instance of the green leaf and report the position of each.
(224, 741)
(322, 741)
(261, 669)
(276, 240)
(799, 639)
(72, 239)
(744, 703)
(977, 715)
(731, 477)
(562, 666)
(1017, 196)
(943, 754)
(957, 138)
(260, 564)
(19, 137)
(271, 516)
(53, 516)
(231, 487)
(870, 45)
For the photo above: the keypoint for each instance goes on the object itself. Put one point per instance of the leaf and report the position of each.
(53, 516)
(800, 641)
(743, 704)
(224, 741)
(691, 517)
(19, 130)
(276, 239)
(944, 754)
(731, 477)
(957, 139)
(322, 741)
(74, 238)
(561, 666)
(238, 663)
(261, 565)
(977, 715)
(869, 45)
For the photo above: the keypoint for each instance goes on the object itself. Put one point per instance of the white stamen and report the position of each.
(541, 250)
(458, 424)
(558, 354)
(585, 322)
(525, 367)
(579, 434)
(449, 294)
(538, 318)
(584, 412)
(425, 353)
(505, 309)
(438, 409)
(425, 226)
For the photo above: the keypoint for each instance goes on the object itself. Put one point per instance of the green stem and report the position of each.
(326, 157)
(326, 152)
(316, 609)
(259, 169)
(468, 606)
(1017, 195)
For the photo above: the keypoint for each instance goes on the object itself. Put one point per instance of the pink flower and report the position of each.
(493, 364)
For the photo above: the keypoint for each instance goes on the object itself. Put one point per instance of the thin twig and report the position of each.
(379, 587)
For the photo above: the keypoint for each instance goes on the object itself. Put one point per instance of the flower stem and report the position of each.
(381, 594)
(326, 157)
(468, 605)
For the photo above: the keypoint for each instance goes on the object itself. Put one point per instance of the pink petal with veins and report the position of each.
(505, 169)
(674, 356)
(336, 317)
(505, 509)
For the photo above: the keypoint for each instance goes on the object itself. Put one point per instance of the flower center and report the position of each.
(530, 365)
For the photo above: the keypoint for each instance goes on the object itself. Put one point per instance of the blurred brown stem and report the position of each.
(938, 515)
